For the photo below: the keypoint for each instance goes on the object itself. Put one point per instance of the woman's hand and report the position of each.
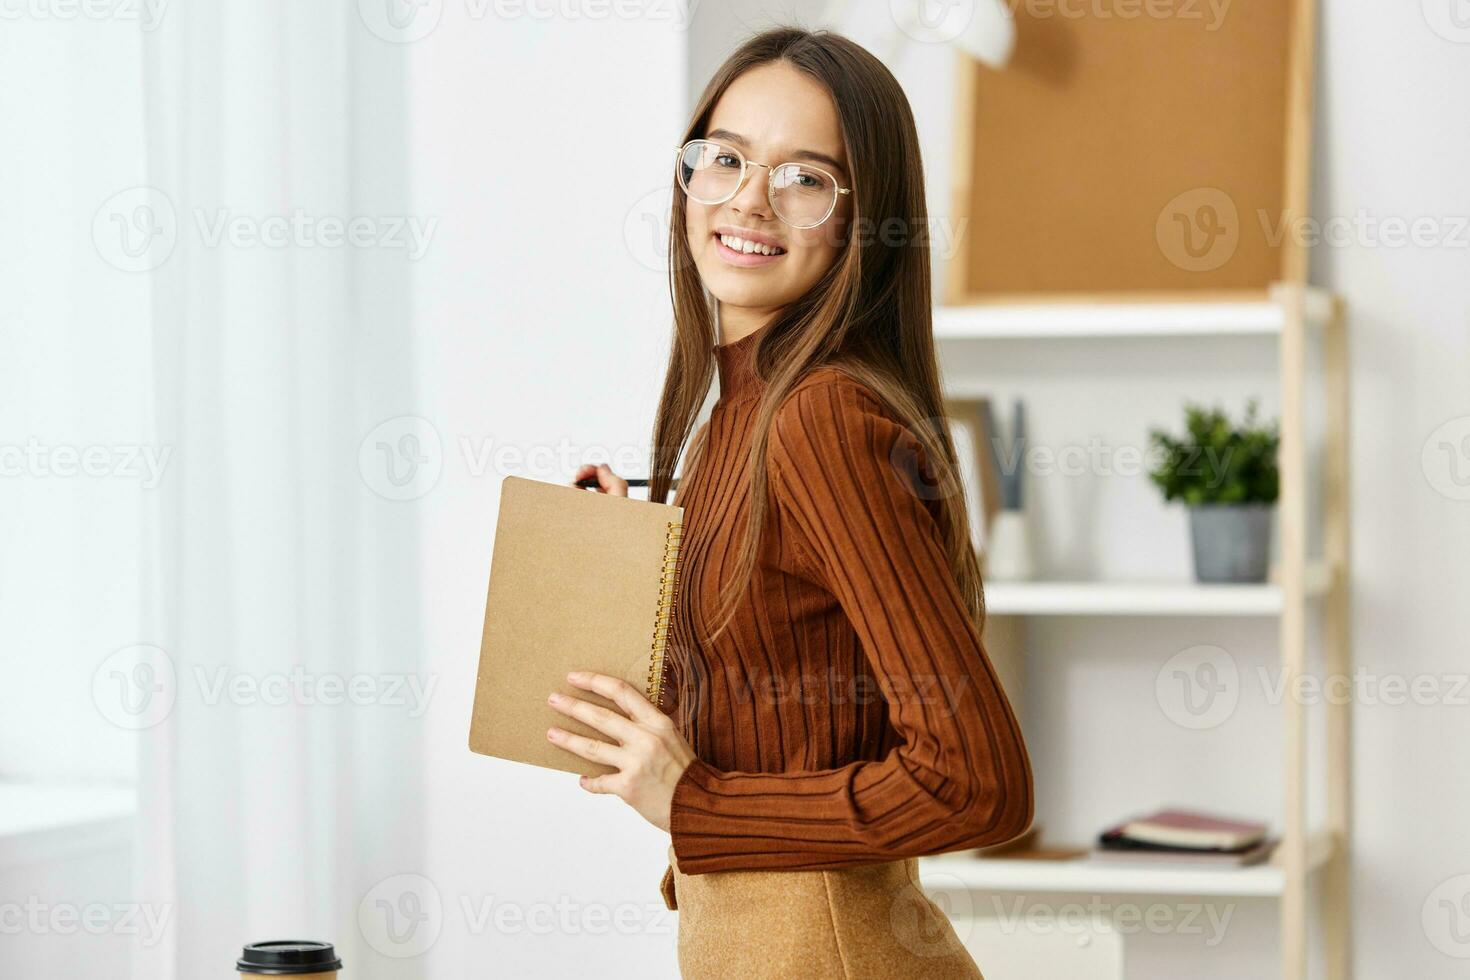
(608, 481)
(648, 752)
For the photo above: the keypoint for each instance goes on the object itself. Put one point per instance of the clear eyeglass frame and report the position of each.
(745, 166)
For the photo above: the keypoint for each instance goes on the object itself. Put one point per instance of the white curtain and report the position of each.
(285, 782)
(282, 503)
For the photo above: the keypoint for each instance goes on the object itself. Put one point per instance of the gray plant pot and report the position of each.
(1232, 542)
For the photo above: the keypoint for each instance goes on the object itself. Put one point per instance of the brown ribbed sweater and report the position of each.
(850, 714)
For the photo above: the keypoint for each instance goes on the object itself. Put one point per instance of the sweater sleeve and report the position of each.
(962, 777)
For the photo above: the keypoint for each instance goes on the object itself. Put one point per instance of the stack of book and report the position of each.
(1185, 838)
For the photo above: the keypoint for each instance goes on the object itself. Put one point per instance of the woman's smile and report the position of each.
(740, 247)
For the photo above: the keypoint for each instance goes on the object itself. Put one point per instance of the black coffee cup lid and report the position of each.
(288, 957)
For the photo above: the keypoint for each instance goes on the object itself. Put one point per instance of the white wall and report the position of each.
(73, 334)
(544, 326)
(1391, 141)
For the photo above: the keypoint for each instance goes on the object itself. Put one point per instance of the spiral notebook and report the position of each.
(579, 580)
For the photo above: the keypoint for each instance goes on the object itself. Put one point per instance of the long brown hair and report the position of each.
(869, 315)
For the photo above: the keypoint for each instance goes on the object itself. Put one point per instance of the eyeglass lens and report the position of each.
(801, 196)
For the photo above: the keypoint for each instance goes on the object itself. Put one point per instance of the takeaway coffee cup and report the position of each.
(289, 958)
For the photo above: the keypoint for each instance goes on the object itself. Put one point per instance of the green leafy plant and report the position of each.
(1216, 462)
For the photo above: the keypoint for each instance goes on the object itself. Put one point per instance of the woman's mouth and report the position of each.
(744, 252)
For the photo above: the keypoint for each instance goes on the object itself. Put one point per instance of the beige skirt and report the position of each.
(871, 921)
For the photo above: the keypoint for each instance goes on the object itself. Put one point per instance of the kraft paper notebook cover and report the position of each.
(579, 580)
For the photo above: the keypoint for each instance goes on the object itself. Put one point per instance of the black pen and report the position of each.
(590, 482)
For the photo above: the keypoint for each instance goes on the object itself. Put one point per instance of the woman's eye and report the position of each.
(809, 181)
(727, 160)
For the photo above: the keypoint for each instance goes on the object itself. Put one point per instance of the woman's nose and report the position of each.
(752, 198)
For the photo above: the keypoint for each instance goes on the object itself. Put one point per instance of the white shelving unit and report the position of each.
(1220, 316)
(1267, 880)
(1143, 598)
(1305, 585)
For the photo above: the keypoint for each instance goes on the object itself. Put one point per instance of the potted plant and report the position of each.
(1227, 476)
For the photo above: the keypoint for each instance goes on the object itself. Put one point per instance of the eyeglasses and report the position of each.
(802, 195)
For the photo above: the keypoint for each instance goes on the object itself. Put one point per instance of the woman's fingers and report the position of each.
(620, 693)
(611, 482)
(610, 723)
(589, 748)
(598, 784)
(607, 481)
(652, 754)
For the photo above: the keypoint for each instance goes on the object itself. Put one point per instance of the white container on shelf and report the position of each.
(1007, 554)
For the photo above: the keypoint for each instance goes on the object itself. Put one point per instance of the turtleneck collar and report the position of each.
(736, 363)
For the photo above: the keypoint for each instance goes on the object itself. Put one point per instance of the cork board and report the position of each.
(1133, 154)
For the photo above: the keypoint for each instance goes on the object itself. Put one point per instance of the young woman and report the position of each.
(831, 713)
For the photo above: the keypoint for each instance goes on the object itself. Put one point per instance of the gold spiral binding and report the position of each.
(668, 582)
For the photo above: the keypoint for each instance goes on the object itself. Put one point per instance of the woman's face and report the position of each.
(773, 114)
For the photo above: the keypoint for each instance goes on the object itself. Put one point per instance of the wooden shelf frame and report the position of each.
(1304, 585)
